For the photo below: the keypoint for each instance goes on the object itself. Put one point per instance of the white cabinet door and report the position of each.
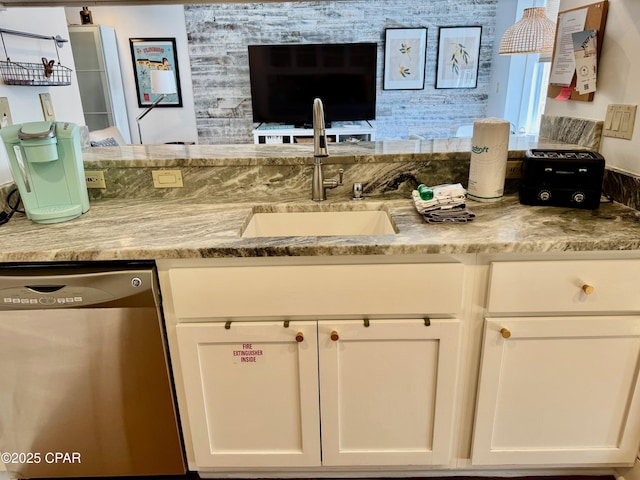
(252, 393)
(387, 391)
(95, 53)
(558, 391)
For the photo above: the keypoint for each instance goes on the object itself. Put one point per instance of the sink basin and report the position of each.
(319, 223)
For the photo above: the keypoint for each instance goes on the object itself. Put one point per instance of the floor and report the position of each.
(194, 476)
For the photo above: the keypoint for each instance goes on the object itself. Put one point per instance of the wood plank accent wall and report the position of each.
(219, 35)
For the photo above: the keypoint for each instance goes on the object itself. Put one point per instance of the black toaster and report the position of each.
(562, 178)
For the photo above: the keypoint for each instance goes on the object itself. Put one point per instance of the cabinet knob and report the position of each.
(588, 289)
(299, 337)
(505, 332)
(334, 336)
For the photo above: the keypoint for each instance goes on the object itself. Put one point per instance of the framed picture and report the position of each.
(154, 54)
(458, 57)
(405, 52)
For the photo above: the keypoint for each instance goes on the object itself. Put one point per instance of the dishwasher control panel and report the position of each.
(132, 288)
(33, 297)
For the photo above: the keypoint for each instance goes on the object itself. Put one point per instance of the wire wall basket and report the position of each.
(21, 73)
(48, 73)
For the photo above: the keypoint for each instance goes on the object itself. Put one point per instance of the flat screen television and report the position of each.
(285, 79)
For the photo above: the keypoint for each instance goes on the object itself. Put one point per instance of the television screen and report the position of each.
(285, 79)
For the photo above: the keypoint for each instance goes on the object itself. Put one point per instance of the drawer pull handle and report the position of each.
(334, 336)
(505, 332)
(299, 337)
(588, 289)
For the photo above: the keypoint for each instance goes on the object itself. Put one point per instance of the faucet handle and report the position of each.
(340, 175)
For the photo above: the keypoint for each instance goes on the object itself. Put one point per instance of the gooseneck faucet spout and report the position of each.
(318, 184)
(319, 133)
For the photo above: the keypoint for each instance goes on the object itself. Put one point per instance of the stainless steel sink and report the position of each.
(318, 223)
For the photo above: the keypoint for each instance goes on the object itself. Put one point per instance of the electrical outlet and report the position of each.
(514, 169)
(5, 113)
(167, 178)
(95, 179)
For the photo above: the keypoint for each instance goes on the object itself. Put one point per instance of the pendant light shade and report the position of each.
(534, 33)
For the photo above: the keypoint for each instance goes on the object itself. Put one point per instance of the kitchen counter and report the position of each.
(132, 220)
(246, 155)
(154, 229)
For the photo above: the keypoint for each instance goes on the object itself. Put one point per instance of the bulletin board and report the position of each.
(595, 20)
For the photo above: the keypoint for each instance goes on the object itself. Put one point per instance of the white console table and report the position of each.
(304, 135)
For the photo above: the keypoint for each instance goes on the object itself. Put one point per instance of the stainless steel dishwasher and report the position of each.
(85, 384)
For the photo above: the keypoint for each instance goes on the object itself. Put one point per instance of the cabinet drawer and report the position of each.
(564, 286)
(317, 290)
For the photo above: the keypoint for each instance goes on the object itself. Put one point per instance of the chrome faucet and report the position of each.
(318, 184)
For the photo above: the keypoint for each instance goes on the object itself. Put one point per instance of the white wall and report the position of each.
(162, 124)
(618, 75)
(24, 101)
(501, 66)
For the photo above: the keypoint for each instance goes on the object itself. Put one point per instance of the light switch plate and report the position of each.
(619, 121)
(47, 107)
(5, 113)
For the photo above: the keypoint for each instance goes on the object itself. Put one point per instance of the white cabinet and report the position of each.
(588, 286)
(95, 55)
(252, 393)
(559, 383)
(359, 361)
(387, 391)
(559, 391)
(433, 364)
(352, 133)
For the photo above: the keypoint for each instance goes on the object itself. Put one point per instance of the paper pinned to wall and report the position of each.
(585, 47)
(564, 95)
(564, 66)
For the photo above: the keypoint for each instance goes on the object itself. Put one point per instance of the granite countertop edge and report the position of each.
(153, 230)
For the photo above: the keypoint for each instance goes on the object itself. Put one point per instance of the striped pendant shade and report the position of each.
(534, 33)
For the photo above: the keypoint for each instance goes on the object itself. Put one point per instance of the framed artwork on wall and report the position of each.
(150, 54)
(458, 57)
(405, 52)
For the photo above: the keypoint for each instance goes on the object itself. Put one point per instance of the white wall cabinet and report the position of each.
(95, 55)
(558, 388)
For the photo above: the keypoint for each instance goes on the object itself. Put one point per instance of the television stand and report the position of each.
(270, 133)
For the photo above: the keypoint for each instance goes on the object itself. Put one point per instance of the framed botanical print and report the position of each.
(405, 51)
(458, 57)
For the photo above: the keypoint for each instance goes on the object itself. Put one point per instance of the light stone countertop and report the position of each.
(135, 156)
(128, 229)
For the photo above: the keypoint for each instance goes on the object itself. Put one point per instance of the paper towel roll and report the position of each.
(489, 150)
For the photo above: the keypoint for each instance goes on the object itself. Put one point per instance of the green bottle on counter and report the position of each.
(426, 193)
